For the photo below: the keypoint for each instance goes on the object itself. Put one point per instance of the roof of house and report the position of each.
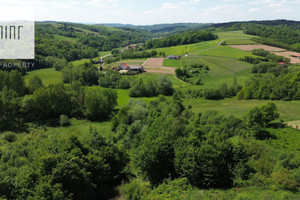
(296, 55)
(136, 67)
(124, 65)
(282, 63)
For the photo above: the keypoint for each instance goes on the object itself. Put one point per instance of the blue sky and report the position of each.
(140, 12)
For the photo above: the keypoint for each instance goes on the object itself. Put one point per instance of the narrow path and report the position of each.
(294, 124)
(106, 55)
(208, 48)
(145, 62)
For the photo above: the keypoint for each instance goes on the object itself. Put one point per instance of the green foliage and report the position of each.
(283, 87)
(48, 167)
(188, 37)
(135, 189)
(175, 190)
(13, 81)
(35, 83)
(87, 75)
(113, 79)
(223, 91)
(64, 120)
(162, 85)
(206, 164)
(99, 103)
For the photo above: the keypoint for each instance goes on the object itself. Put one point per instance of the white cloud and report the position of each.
(194, 1)
(256, 10)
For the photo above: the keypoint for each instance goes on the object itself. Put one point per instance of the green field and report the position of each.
(87, 60)
(81, 128)
(183, 49)
(225, 51)
(236, 37)
(289, 110)
(286, 139)
(60, 37)
(171, 63)
(48, 76)
(219, 66)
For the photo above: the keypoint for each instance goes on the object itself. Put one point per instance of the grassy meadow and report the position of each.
(171, 63)
(60, 37)
(48, 76)
(236, 37)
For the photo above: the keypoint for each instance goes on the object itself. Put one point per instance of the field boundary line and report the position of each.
(219, 43)
(145, 62)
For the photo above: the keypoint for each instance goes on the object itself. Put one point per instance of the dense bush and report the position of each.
(223, 91)
(283, 87)
(67, 169)
(152, 88)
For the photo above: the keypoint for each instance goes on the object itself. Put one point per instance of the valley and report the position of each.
(219, 121)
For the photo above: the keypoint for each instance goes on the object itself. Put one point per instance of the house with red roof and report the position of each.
(123, 66)
(296, 56)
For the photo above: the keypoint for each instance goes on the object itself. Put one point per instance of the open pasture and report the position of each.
(225, 51)
(48, 76)
(289, 111)
(260, 46)
(236, 37)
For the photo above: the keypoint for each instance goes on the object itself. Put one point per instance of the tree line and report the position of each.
(36, 103)
(187, 37)
(284, 87)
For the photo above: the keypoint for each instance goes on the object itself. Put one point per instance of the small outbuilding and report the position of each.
(171, 57)
(136, 68)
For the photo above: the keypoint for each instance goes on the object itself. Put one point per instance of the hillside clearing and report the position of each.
(48, 76)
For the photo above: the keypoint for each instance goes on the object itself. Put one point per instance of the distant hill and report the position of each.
(165, 28)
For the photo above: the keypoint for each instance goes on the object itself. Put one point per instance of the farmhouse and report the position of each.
(136, 68)
(171, 57)
(296, 56)
(123, 66)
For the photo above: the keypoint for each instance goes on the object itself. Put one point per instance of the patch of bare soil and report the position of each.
(288, 54)
(155, 65)
(275, 50)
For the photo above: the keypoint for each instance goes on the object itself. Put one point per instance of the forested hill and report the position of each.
(279, 33)
(166, 29)
(70, 41)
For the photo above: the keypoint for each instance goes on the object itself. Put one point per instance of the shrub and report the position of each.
(64, 120)
(9, 137)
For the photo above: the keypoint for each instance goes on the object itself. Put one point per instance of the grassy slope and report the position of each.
(171, 63)
(225, 51)
(182, 49)
(48, 76)
(60, 37)
(289, 111)
(81, 128)
(236, 37)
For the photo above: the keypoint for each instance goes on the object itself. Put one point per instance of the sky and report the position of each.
(139, 12)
